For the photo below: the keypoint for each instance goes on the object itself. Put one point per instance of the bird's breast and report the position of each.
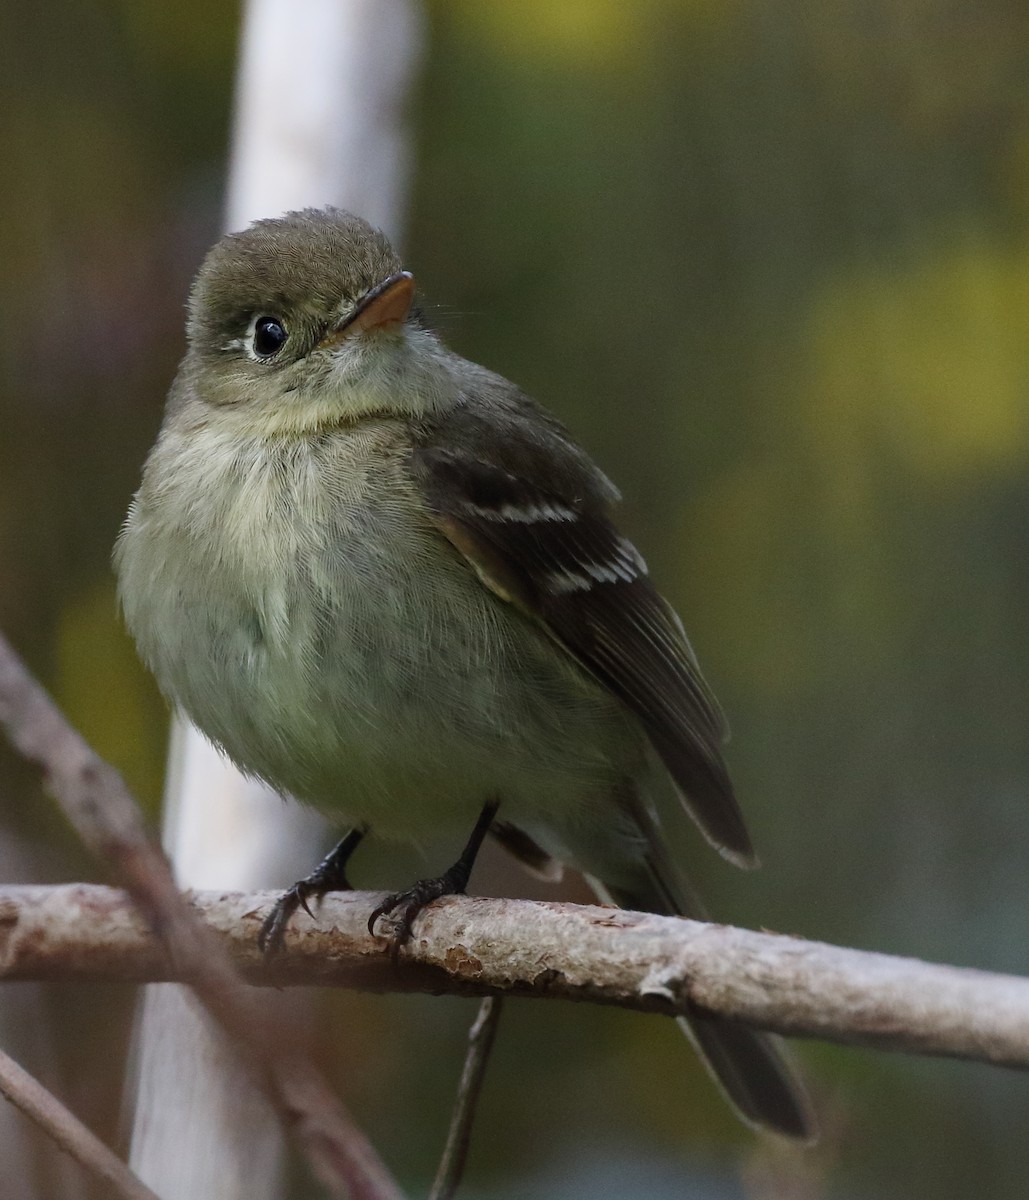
(298, 604)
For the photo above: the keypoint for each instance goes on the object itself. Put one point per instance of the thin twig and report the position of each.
(43, 1107)
(472, 946)
(455, 1154)
(95, 799)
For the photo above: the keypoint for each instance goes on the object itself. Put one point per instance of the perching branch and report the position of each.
(42, 1107)
(94, 798)
(473, 946)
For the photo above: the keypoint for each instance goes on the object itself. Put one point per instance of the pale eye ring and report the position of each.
(269, 336)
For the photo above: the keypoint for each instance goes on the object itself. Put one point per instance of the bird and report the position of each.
(386, 582)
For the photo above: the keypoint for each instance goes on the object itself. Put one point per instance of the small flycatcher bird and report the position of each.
(386, 582)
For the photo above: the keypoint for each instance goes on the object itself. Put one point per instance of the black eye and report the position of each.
(269, 336)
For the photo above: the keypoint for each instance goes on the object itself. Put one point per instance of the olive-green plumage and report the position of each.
(387, 583)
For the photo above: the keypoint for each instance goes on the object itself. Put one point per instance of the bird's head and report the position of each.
(306, 320)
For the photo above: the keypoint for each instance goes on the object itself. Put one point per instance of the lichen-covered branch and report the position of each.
(476, 946)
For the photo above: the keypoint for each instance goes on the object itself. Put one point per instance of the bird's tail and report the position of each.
(752, 1069)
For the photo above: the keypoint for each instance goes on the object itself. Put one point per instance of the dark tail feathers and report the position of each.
(752, 1069)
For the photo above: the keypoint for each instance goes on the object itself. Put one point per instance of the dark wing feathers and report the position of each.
(529, 511)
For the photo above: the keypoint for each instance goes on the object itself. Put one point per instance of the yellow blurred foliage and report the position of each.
(188, 36)
(579, 33)
(927, 363)
(95, 658)
(742, 535)
(912, 387)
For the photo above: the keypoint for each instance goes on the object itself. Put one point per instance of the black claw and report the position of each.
(273, 931)
(411, 902)
(450, 883)
(328, 876)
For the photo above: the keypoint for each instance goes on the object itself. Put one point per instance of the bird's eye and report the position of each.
(269, 336)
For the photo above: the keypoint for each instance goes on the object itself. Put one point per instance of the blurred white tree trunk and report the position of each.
(319, 120)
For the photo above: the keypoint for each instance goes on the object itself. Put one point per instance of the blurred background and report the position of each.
(770, 260)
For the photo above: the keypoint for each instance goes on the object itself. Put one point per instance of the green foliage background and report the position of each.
(770, 260)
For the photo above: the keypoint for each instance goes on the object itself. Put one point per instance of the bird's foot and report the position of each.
(413, 900)
(452, 882)
(273, 932)
(329, 876)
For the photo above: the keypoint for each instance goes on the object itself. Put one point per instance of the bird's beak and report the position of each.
(387, 304)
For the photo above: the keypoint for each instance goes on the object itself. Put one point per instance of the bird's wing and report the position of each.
(529, 511)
